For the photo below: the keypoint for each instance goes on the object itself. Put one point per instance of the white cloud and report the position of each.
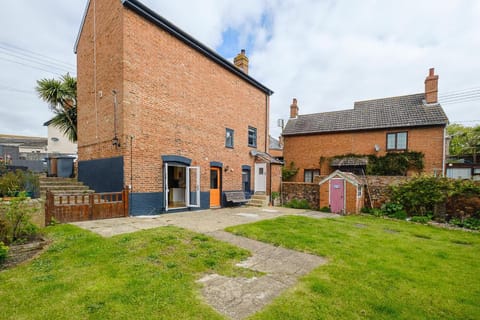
(327, 54)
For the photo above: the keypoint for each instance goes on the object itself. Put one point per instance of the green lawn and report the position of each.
(378, 269)
(145, 275)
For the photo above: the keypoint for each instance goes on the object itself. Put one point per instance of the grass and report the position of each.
(145, 275)
(378, 269)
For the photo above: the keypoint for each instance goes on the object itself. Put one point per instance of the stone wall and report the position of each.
(300, 190)
(377, 192)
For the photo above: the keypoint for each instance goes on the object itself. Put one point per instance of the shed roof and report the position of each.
(150, 15)
(350, 177)
(393, 112)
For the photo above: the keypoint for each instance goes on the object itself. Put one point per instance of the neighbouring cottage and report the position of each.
(413, 123)
(163, 113)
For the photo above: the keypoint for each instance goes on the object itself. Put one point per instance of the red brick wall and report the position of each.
(172, 100)
(99, 71)
(306, 151)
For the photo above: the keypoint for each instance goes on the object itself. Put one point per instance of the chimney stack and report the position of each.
(431, 87)
(294, 109)
(241, 61)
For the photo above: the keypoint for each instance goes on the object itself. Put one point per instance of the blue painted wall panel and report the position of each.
(102, 175)
(144, 204)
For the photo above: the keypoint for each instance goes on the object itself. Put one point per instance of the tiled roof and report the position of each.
(349, 161)
(394, 112)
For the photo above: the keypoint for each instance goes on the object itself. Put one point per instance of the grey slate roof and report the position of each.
(274, 143)
(393, 112)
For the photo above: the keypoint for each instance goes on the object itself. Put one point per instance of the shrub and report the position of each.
(275, 195)
(11, 183)
(3, 252)
(298, 204)
(468, 223)
(16, 226)
(366, 210)
(325, 209)
(421, 219)
(420, 195)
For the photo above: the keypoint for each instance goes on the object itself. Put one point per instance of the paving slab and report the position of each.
(234, 297)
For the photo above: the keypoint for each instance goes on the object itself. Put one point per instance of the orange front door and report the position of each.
(215, 187)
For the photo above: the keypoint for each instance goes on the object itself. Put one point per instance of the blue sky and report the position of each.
(327, 54)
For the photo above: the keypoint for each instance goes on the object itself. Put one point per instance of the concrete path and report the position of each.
(237, 297)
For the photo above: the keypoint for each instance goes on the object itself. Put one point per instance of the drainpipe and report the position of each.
(444, 151)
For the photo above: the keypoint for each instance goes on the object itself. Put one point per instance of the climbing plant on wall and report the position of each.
(391, 164)
(395, 164)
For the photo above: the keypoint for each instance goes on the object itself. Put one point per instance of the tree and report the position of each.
(61, 95)
(464, 140)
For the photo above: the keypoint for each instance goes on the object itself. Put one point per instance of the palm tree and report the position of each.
(61, 96)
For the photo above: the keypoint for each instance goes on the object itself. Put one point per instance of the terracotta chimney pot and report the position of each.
(294, 109)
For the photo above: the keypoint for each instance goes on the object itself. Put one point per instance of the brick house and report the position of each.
(414, 122)
(163, 113)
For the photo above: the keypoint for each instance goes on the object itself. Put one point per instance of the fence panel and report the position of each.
(69, 208)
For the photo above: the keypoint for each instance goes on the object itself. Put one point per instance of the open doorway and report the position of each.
(177, 186)
(182, 186)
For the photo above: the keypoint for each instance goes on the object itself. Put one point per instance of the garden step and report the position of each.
(257, 203)
(58, 185)
(63, 187)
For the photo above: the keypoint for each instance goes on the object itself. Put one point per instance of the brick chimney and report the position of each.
(431, 87)
(294, 109)
(241, 61)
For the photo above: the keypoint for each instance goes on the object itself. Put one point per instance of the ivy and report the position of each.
(395, 163)
(391, 164)
(289, 172)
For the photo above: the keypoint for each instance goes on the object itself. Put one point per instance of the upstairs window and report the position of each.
(252, 137)
(397, 141)
(229, 138)
(308, 174)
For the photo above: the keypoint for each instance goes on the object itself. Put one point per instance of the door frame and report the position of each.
(330, 188)
(259, 177)
(219, 177)
(166, 189)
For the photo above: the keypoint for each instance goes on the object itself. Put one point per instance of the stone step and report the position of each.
(260, 197)
(63, 187)
(257, 203)
(59, 182)
(58, 185)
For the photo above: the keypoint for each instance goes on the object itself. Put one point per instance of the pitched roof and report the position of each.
(352, 178)
(274, 144)
(26, 141)
(393, 112)
(155, 18)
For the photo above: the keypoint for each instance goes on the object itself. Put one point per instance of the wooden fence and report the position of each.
(81, 207)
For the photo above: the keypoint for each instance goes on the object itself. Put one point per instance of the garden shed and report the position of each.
(342, 192)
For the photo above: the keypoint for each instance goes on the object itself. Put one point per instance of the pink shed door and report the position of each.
(337, 192)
